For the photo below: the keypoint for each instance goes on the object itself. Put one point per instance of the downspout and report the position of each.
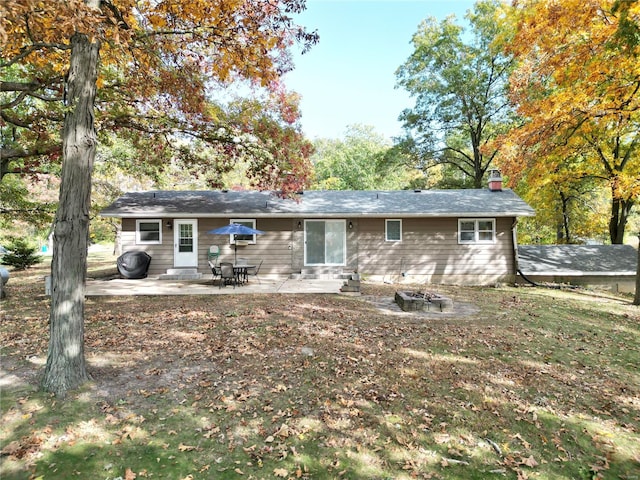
(529, 280)
(514, 241)
(517, 267)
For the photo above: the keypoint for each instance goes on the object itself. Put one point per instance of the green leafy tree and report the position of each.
(459, 79)
(29, 157)
(115, 172)
(565, 213)
(357, 162)
(141, 69)
(28, 203)
(21, 254)
(570, 207)
(31, 113)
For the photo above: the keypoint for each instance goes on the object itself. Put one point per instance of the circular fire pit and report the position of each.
(425, 301)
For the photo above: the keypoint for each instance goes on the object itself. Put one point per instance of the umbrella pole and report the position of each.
(235, 249)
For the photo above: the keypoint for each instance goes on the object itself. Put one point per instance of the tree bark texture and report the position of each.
(620, 211)
(636, 298)
(66, 368)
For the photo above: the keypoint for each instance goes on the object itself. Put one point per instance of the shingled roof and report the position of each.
(568, 260)
(320, 204)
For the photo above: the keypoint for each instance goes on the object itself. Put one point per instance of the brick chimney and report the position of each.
(495, 181)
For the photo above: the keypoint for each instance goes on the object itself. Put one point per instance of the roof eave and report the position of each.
(317, 215)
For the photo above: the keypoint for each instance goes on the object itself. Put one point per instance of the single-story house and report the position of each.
(436, 236)
(606, 266)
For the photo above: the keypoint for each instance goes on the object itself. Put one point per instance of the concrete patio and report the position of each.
(154, 286)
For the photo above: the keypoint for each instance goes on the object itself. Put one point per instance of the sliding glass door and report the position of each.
(325, 242)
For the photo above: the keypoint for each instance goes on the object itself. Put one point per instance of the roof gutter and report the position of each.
(157, 214)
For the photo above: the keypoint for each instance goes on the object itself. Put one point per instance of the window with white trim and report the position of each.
(148, 232)
(393, 230)
(247, 222)
(476, 230)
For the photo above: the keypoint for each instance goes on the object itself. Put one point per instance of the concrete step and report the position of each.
(182, 271)
(181, 274)
(343, 276)
(350, 288)
(166, 276)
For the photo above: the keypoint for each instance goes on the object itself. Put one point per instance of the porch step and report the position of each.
(352, 285)
(181, 274)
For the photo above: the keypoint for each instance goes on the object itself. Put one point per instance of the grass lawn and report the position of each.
(521, 383)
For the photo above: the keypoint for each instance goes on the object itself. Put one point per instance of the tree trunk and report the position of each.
(66, 367)
(620, 210)
(117, 242)
(565, 218)
(636, 298)
(478, 171)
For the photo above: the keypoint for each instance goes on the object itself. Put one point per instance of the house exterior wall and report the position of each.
(428, 252)
(161, 254)
(274, 247)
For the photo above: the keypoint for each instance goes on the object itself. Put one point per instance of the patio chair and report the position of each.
(253, 271)
(215, 270)
(213, 254)
(227, 274)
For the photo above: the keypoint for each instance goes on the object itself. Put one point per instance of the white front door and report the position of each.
(185, 243)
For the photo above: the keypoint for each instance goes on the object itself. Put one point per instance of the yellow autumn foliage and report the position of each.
(577, 88)
(223, 38)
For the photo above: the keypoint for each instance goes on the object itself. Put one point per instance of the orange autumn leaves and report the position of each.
(157, 47)
(223, 37)
(577, 89)
(159, 61)
(577, 93)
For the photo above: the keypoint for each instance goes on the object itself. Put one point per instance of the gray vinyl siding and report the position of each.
(161, 254)
(429, 251)
(275, 246)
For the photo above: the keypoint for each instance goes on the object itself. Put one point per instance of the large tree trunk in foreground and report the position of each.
(66, 367)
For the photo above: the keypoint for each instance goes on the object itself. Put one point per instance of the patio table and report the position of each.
(242, 272)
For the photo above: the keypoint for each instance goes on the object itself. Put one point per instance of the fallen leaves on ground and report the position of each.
(510, 388)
